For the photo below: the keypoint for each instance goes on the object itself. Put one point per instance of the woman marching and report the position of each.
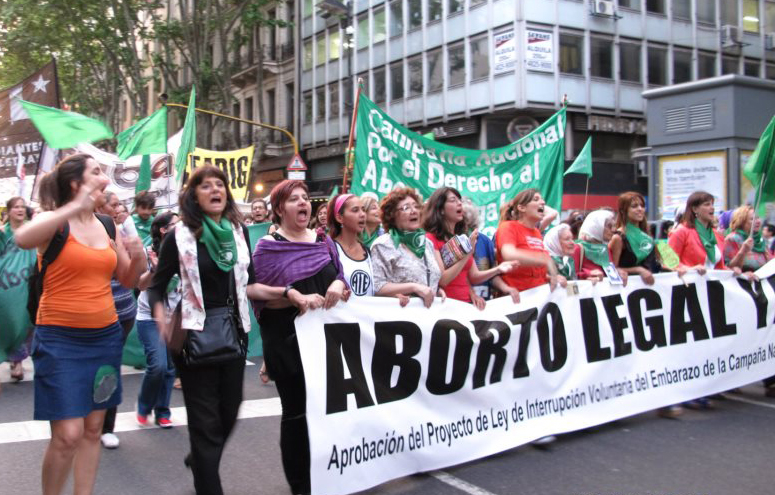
(347, 221)
(594, 255)
(77, 348)
(373, 227)
(307, 264)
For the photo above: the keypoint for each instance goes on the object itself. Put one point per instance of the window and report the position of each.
(348, 93)
(706, 11)
(751, 68)
(334, 45)
(729, 12)
(320, 53)
(454, 6)
(751, 16)
(729, 65)
(333, 100)
(457, 64)
(307, 102)
(629, 62)
(320, 103)
(307, 8)
(655, 6)
(706, 65)
(682, 66)
(602, 59)
(571, 54)
(249, 108)
(363, 31)
(380, 89)
(378, 33)
(434, 10)
(414, 66)
(657, 63)
(289, 105)
(769, 16)
(415, 13)
(396, 81)
(770, 71)
(435, 70)
(630, 4)
(480, 58)
(307, 55)
(682, 9)
(474, 3)
(396, 18)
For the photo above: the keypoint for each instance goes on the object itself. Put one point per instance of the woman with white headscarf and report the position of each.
(559, 242)
(594, 235)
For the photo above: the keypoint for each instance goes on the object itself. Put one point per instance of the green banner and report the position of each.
(255, 346)
(388, 155)
(15, 269)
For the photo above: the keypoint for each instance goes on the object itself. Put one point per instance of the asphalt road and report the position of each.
(725, 451)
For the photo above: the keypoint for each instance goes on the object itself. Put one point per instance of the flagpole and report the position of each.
(758, 199)
(586, 193)
(350, 152)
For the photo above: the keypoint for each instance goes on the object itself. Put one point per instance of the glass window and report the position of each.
(751, 68)
(434, 10)
(769, 16)
(396, 81)
(334, 45)
(571, 54)
(655, 6)
(415, 13)
(729, 12)
(307, 102)
(414, 66)
(333, 100)
(751, 16)
(435, 70)
(396, 18)
(347, 93)
(321, 49)
(729, 65)
(602, 58)
(378, 33)
(706, 11)
(682, 9)
(480, 58)
(307, 8)
(682, 66)
(320, 103)
(363, 31)
(706, 65)
(380, 89)
(455, 6)
(657, 63)
(629, 62)
(630, 4)
(307, 55)
(365, 77)
(770, 71)
(457, 64)
(474, 3)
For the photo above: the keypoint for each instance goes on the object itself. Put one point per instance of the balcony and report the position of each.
(272, 143)
(275, 58)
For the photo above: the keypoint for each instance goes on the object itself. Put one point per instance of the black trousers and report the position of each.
(110, 415)
(212, 395)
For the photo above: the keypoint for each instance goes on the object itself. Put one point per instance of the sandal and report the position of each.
(17, 371)
(265, 378)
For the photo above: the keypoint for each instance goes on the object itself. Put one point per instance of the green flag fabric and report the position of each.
(255, 347)
(144, 178)
(145, 137)
(760, 168)
(389, 155)
(188, 139)
(15, 269)
(583, 163)
(61, 129)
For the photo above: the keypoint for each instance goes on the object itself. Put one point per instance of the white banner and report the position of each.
(393, 391)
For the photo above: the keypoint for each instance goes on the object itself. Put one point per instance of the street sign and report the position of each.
(297, 163)
(297, 175)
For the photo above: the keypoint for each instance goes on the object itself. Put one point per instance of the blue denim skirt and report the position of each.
(77, 370)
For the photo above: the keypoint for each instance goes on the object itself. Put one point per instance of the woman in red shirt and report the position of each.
(443, 219)
(518, 239)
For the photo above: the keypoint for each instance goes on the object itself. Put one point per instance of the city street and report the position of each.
(724, 451)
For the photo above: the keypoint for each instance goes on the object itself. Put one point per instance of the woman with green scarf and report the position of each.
(594, 255)
(739, 247)
(373, 220)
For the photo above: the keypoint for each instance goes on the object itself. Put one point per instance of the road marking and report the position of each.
(26, 431)
(750, 401)
(461, 485)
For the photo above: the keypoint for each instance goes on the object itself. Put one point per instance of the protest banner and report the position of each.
(16, 266)
(388, 155)
(235, 164)
(393, 391)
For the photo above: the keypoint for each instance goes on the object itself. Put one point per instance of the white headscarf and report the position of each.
(594, 225)
(552, 239)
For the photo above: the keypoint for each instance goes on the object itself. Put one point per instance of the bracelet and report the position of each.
(287, 288)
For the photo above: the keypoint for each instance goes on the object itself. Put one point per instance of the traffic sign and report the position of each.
(297, 163)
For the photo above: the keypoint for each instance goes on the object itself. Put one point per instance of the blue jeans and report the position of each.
(159, 375)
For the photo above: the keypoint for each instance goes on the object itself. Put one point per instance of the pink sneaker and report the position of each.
(142, 420)
(164, 423)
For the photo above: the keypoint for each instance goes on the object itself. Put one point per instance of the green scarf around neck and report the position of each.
(596, 252)
(368, 239)
(565, 266)
(758, 243)
(412, 239)
(708, 239)
(641, 243)
(143, 228)
(218, 238)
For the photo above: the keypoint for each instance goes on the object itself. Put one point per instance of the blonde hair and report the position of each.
(740, 217)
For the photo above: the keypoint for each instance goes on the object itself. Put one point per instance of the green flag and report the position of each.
(63, 129)
(188, 139)
(760, 170)
(430, 135)
(145, 137)
(144, 179)
(583, 163)
(334, 192)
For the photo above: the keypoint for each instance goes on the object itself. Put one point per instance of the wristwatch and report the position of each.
(287, 288)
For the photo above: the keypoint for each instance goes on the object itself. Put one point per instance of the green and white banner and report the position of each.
(388, 155)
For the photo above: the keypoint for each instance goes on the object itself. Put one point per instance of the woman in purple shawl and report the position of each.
(300, 260)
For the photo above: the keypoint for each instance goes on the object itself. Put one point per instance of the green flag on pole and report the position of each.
(760, 170)
(583, 163)
(334, 192)
(188, 139)
(61, 129)
(144, 179)
(430, 135)
(145, 137)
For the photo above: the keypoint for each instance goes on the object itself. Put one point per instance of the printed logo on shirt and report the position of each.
(360, 281)
(535, 243)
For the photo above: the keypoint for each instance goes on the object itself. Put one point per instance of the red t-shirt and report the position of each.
(458, 287)
(521, 237)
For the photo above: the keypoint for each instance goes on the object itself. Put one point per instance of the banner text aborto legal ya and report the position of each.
(388, 155)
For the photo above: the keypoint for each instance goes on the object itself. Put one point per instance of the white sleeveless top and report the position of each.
(357, 273)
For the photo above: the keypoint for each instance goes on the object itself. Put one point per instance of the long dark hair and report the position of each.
(623, 204)
(191, 213)
(510, 212)
(433, 215)
(695, 199)
(55, 186)
(161, 221)
(334, 227)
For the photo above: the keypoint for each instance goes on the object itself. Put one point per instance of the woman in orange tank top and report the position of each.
(77, 345)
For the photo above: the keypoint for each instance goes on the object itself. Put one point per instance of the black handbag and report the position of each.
(222, 339)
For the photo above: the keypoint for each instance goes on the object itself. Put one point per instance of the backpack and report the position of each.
(52, 251)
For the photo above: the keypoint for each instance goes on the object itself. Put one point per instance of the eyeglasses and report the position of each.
(454, 200)
(409, 206)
